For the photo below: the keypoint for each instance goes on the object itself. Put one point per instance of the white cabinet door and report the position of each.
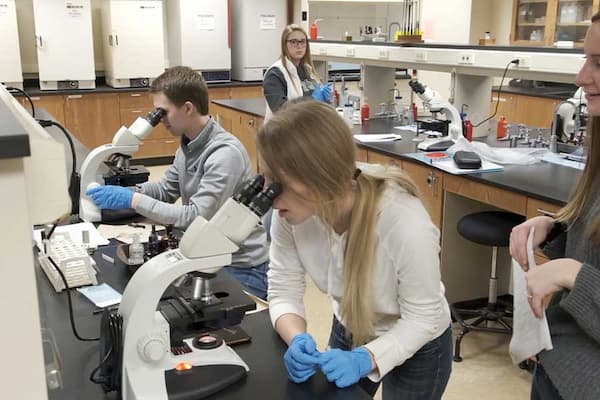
(64, 41)
(262, 22)
(138, 38)
(9, 43)
(205, 35)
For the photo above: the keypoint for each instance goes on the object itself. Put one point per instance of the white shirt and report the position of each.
(406, 286)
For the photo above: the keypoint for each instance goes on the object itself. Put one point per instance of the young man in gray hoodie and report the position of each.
(209, 167)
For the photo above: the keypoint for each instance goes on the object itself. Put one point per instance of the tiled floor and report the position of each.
(486, 371)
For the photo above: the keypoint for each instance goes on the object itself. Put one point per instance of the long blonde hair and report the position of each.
(573, 209)
(309, 142)
(306, 60)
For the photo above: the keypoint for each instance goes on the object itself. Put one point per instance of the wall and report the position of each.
(341, 17)
(481, 20)
(502, 21)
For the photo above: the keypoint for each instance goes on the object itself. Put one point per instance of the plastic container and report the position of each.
(136, 251)
(364, 111)
(501, 128)
(468, 129)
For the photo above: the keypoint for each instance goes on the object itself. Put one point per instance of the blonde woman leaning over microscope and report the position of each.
(572, 239)
(366, 240)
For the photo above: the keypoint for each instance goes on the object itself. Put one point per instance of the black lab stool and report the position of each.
(488, 228)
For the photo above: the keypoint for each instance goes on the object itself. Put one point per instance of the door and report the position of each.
(63, 34)
(138, 38)
(262, 22)
(205, 35)
(9, 43)
(429, 183)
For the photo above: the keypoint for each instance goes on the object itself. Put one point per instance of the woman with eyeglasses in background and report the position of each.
(293, 74)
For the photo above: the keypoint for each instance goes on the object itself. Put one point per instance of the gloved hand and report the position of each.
(322, 92)
(301, 358)
(345, 368)
(110, 196)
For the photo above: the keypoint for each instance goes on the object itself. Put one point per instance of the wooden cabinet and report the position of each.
(246, 133)
(429, 181)
(139, 104)
(529, 110)
(217, 94)
(246, 92)
(543, 22)
(535, 111)
(374, 157)
(492, 195)
(54, 105)
(536, 208)
(241, 125)
(92, 118)
(361, 154)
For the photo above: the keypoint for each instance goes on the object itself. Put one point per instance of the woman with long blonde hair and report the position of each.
(293, 74)
(571, 370)
(365, 239)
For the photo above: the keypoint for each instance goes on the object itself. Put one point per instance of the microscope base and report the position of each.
(435, 144)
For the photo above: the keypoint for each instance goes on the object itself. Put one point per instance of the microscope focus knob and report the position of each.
(152, 347)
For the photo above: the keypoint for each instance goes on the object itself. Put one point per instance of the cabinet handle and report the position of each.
(36, 98)
(545, 212)
(251, 122)
(116, 39)
(432, 182)
(74, 96)
(135, 94)
(136, 111)
(169, 141)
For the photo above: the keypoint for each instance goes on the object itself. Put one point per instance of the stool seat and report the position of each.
(489, 228)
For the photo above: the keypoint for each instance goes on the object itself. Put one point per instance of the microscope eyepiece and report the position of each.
(264, 200)
(155, 116)
(250, 190)
(416, 86)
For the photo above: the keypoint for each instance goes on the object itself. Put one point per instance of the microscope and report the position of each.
(125, 142)
(451, 127)
(152, 367)
(570, 116)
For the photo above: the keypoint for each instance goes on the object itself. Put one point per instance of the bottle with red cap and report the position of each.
(501, 128)
(364, 111)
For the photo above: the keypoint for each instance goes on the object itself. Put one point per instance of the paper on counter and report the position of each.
(74, 231)
(101, 295)
(388, 137)
(530, 334)
(125, 233)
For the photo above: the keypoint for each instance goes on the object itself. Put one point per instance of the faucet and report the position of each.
(390, 29)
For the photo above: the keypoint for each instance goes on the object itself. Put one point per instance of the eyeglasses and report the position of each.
(296, 42)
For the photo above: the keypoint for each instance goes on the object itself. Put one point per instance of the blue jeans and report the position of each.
(253, 279)
(424, 376)
(542, 387)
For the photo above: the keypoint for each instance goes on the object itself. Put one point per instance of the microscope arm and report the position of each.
(125, 141)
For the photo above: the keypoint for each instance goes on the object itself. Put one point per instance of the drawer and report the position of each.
(378, 158)
(142, 100)
(494, 196)
(537, 207)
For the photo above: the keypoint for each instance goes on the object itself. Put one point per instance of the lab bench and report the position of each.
(531, 190)
(267, 377)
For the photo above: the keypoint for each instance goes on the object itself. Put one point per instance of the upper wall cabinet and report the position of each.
(543, 22)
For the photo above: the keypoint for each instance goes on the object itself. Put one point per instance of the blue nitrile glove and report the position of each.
(301, 358)
(345, 368)
(322, 93)
(111, 197)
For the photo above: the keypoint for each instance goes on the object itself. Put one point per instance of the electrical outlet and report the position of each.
(466, 58)
(350, 51)
(421, 55)
(524, 61)
(384, 54)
